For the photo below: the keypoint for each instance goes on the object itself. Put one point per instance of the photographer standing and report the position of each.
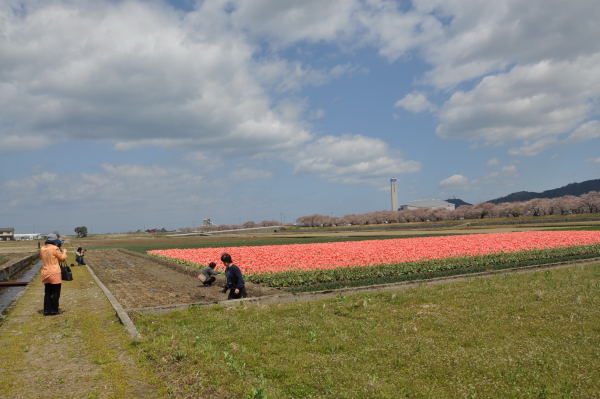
(52, 255)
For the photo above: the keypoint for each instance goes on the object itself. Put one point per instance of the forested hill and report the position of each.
(570, 189)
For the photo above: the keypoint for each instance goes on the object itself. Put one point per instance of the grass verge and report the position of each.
(532, 335)
(583, 228)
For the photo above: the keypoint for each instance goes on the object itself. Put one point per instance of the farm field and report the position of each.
(145, 242)
(394, 259)
(305, 257)
(534, 335)
(140, 281)
(528, 336)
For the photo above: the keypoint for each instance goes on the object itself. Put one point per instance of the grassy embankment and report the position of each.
(525, 336)
(82, 353)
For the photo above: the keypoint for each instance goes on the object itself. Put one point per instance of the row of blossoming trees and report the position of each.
(569, 204)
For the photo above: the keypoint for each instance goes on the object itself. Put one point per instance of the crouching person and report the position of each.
(207, 275)
(235, 280)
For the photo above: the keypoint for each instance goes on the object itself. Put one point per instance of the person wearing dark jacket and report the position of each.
(235, 280)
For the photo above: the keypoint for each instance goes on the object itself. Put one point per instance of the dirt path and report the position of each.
(82, 353)
(139, 281)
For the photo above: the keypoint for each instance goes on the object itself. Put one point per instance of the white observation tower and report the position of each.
(394, 194)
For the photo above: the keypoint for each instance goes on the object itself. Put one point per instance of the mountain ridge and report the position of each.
(570, 189)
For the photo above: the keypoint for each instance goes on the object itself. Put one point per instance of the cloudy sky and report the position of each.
(120, 115)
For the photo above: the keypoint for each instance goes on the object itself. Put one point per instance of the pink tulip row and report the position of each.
(278, 258)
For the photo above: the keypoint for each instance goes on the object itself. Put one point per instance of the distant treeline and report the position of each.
(246, 225)
(565, 205)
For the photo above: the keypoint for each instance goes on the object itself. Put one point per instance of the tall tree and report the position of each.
(81, 231)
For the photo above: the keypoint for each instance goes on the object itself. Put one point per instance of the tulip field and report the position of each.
(309, 264)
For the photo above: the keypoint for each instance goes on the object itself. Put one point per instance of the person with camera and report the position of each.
(79, 256)
(235, 280)
(52, 254)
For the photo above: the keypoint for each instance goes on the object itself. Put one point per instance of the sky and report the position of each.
(126, 115)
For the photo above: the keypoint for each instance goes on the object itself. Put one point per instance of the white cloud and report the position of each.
(493, 162)
(486, 37)
(531, 148)
(533, 104)
(114, 184)
(351, 159)
(588, 131)
(286, 76)
(497, 176)
(14, 143)
(197, 157)
(415, 102)
(285, 22)
(251, 174)
(455, 180)
(137, 73)
(537, 59)
(317, 114)
(509, 170)
(594, 160)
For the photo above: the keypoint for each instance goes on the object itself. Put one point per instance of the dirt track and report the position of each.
(140, 281)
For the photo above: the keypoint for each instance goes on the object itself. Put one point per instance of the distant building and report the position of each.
(427, 204)
(27, 236)
(7, 234)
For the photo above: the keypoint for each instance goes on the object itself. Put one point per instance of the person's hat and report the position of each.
(52, 237)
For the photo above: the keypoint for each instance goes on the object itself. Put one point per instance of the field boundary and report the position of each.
(9, 270)
(178, 267)
(317, 295)
(121, 313)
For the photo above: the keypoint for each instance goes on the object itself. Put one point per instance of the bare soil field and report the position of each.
(138, 281)
(20, 248)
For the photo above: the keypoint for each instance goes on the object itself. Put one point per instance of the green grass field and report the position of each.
(252, 241)
(592, 228)
(534, 335)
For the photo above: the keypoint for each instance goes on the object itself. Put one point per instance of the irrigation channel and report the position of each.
(9, 294)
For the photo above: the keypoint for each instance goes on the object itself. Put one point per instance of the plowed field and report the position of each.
(139, 281)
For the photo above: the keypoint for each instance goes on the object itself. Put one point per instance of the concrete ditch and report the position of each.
(7, 272)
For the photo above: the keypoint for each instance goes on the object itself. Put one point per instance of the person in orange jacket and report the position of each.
(52, 255)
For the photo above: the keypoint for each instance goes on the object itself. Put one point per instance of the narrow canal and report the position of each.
(9, 294)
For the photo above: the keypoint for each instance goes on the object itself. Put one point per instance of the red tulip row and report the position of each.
(324, 256)
(359, 276)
